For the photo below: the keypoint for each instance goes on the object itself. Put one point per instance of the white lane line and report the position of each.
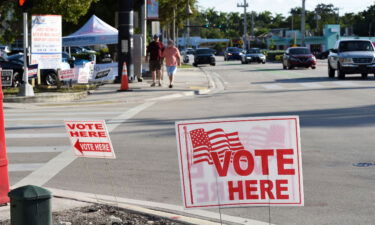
(156, 205)
(11, 114)
(346, 83)
(24, 167)
(36, 135)
(272, 86)
(37, 149)
(32, 126)
(42, 175)
(51, 118)
(311, 85)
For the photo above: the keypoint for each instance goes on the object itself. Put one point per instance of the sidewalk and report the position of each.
(188, 82)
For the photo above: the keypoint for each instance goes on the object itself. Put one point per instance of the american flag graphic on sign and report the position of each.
(215, 140)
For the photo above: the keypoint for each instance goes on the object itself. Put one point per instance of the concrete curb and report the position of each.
(47, 97)
(171, 212)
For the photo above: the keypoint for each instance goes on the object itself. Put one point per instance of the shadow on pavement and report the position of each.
(311, 80)
(342, 117)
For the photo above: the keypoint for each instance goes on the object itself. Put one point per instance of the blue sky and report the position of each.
(283, 6)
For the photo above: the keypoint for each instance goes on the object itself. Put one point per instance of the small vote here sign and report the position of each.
(90, 139)
(240, 162)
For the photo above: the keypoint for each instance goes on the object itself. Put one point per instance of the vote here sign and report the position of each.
(240, 162)
(90, 139)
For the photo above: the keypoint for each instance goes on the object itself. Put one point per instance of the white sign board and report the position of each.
(90, 139)
(46, 41)
(240, 162)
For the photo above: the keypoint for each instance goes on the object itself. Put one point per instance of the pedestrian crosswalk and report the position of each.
(311, 85)
(35, 136)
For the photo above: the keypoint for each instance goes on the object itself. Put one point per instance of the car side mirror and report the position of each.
(334, 50)
(72, 58)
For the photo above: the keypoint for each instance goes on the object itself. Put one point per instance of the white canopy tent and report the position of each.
(94, 32)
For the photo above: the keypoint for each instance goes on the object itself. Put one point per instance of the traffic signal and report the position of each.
(25, 4)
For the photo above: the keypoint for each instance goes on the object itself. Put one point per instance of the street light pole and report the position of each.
(303, 24)
(245, 5)
(26, 89)
(125, 38)
(144, 27)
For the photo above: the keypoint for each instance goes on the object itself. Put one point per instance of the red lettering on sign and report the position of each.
(264, 154)
(281, 162)
(237, 163)
(250, 189)
(266, 187)
(222, 170)
(279, 189)
(232, 190)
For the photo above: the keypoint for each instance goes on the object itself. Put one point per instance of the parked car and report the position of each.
(323, 55)
(232, 53)
(253, 55)
(351, 57)
(79, 50)
(17, 68)
(298, 57)
(48, 76)
(187, 51)
(204, 56)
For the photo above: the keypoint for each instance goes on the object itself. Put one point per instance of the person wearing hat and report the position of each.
(154, 56)
(172, 59)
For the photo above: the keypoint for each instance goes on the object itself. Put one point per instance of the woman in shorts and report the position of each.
(172, 60)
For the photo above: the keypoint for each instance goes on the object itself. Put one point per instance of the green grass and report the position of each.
(54, 89)
(186, 66)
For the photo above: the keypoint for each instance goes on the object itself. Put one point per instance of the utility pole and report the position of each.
(303, 24)
(244, 6)
(252, 24)
(144, 27)
(174, 24)
(188, 12)
(125, 38)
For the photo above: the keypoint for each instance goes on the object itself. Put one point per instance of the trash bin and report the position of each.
(30, 205)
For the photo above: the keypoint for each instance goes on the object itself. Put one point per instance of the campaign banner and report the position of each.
(46, 41)
(67, 75)
(6, 77)
(240, 162)
(32, 71)
(152, 9)
(104, 72)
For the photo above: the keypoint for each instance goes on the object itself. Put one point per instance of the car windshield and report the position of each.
(233, 49)
(203, 51)
(351, 46)
(16, 57)
(253, 51)
(299, 51)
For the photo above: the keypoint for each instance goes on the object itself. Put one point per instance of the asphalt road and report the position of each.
(337, 130)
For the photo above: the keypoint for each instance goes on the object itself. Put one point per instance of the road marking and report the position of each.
(11, 114)
(50, 169)
(311, 85)
(345, 83)
(272, 86)
(37, 149)
(38, 135)
(50, 119)
(155, 205)
(24, 167)
(31, 126)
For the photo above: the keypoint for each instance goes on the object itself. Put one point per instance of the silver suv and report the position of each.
(351, 57)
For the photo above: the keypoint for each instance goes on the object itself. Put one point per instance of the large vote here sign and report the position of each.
(240, 162)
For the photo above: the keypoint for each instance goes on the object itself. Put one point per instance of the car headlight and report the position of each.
(346, 60)
(313, 58)
(248, 57)
(262, 56)
(229, 53)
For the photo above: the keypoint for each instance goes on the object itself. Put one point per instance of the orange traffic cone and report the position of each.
(124, 79)
(4, 175)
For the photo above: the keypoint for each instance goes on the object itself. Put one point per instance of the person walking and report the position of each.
(154, 57)
(173, 59)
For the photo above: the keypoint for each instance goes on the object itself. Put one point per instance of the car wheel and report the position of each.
(225, 59)
(340, 73)
(194, 64)
(313, 67)
(331, 71)
(284, 67)
(242, 62)
(263, 62)
(51, 79)
(213, 64)
(364, 75)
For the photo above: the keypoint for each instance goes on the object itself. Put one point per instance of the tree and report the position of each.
(71, 11)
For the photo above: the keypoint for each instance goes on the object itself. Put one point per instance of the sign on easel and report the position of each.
(90, 139)
(240, 162)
